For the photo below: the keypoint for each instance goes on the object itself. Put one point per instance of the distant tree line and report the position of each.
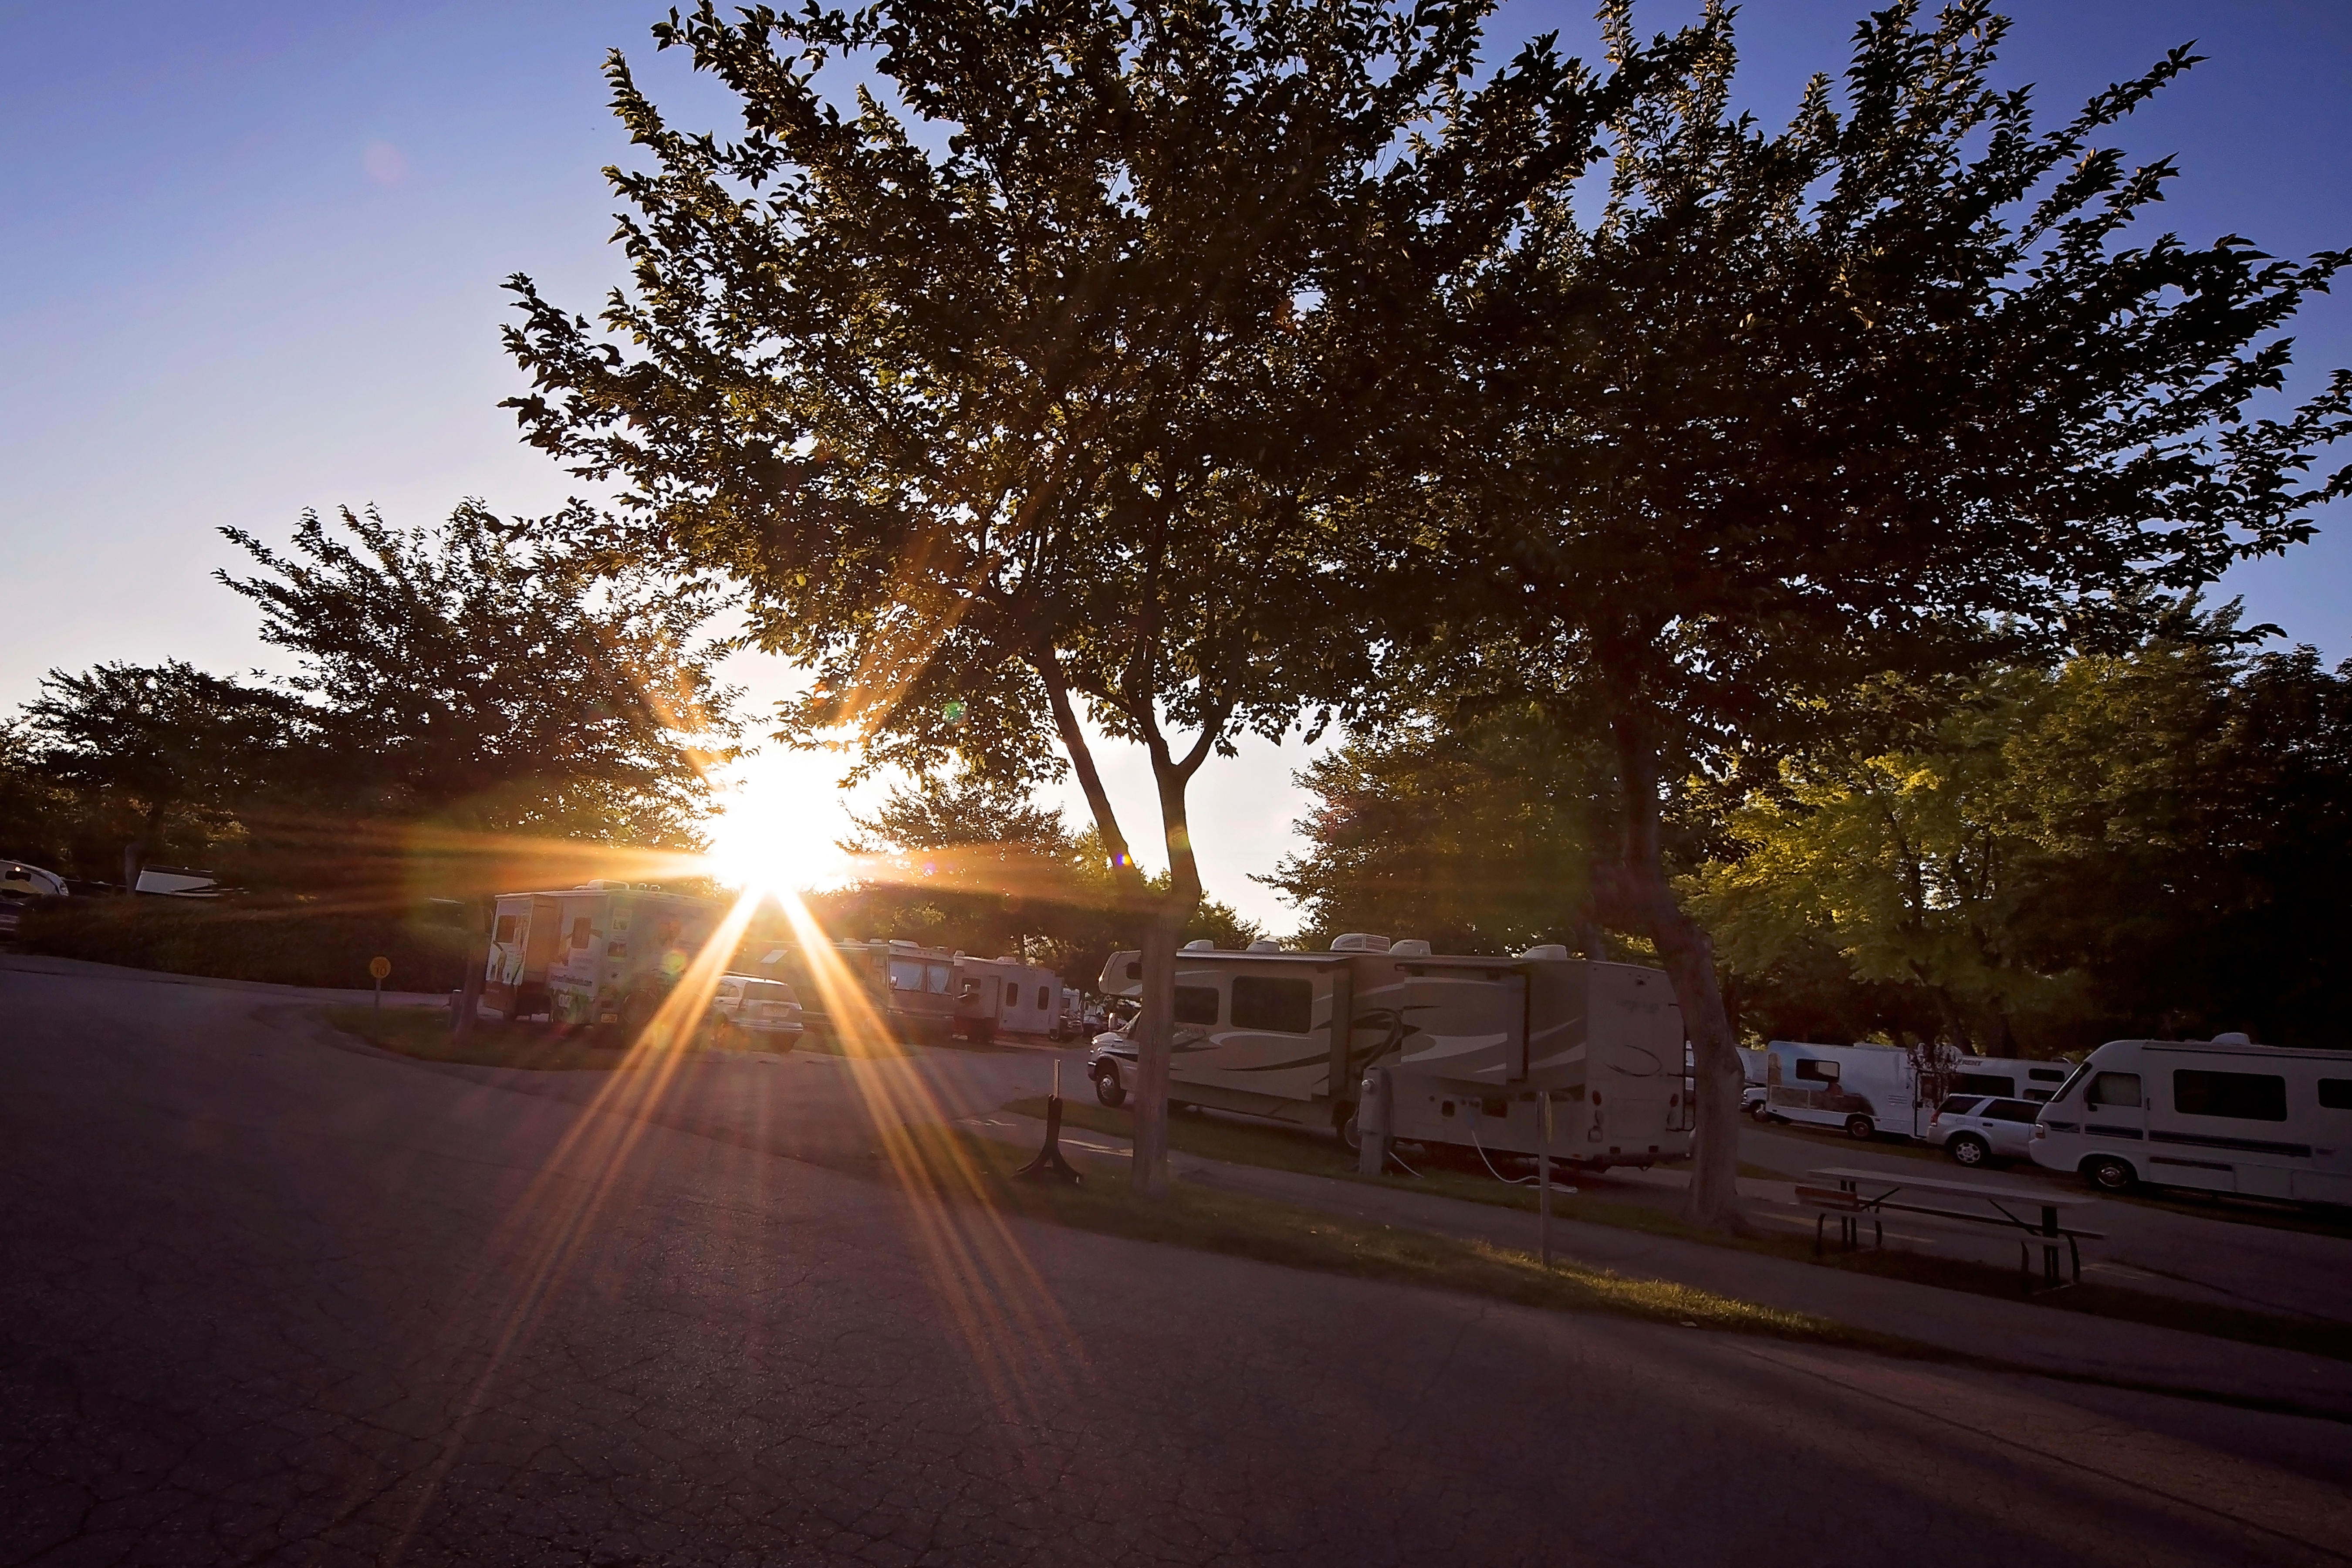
(457, 694)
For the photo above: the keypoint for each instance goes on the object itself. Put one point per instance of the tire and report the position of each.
(2109, 1174)
(1967, 1149)
(636, 1012)
(1108, 1089)
(1761, 1112)
(1859, 1129)
(1351, 1136)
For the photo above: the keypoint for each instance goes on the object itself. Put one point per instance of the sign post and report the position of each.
(379, 966)
(1543, 1176)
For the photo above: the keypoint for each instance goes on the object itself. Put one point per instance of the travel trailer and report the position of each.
(601, 953)
(2223, 1115)
(1468, 1044)
(908, 989)
(1005, 996)
(1865, 1089)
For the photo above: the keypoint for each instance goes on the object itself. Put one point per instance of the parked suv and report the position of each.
(1975, 1128)
(746, 1009)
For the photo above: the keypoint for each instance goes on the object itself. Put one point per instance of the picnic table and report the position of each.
(2030, 1211)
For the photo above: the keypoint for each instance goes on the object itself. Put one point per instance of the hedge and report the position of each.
(284, 942)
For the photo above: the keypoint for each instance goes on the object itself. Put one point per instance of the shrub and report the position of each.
(286, 941)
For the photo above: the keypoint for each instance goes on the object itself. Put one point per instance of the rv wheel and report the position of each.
(1762, 1112)
(1351, 1134)
(1108, 1089)
(2109, 1174)
(1859, 1127)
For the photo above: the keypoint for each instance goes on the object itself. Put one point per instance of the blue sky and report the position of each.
(254, 254)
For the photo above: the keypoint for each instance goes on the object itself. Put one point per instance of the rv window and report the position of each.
(2240, 1096)
(2117, 1088)
(1196, 1004)
(506, 928)
(2046, 1075)
(1135, 969)
(905, 974)
(1818, 1070)
(2336, 1093)
(1041, 997)
(1985, 1082)
(582, 934)
(942, 979)
(1278, 1006)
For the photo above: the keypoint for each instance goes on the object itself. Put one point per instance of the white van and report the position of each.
(2224, 1116)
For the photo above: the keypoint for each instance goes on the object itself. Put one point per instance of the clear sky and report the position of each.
(253, 254)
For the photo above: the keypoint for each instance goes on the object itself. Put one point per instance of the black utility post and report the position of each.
(1049, 1165)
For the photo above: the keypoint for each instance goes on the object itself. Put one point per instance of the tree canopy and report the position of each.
(1026, 392)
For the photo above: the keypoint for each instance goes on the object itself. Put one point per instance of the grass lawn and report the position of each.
(1288, 1149)
(424, 1033)
(955, 1166)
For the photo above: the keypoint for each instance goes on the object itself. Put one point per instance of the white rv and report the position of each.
(601, 953)
(1005, 996)
(2223, 1115)
(1469, 1042)
(2011, 1078)
(1863, 1090)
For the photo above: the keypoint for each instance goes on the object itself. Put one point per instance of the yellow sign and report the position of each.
(379, 967)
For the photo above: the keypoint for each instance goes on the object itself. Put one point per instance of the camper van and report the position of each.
(601, 953)
(1865, 1090)
(1004, 997)
(907, 989)
(1468, 1042)
(2222, 1115)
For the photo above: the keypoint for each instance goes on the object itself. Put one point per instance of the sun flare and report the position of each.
(780, 823)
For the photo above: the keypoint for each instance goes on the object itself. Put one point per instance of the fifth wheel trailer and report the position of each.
(1469, 1043)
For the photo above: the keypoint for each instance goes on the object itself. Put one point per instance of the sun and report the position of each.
(781, 817)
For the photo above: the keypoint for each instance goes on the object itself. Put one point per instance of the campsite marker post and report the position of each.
(1049, 1165)
(1543, 1176)
(379, 966)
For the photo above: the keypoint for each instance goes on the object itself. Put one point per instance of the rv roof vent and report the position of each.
(1359, 942)
(2234, 1037)
(1262, 945)
(1546, 950)
(902, 942)
(1201, 945)
(1410, 947)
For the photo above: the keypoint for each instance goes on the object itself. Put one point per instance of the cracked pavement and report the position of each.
(266, 1298)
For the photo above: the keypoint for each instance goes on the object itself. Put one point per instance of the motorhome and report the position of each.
(2011, 1078)
(2223, 1115)
(601, 953)
(1005, 996)
(1865, 1090)
(1468, 1042)
(905, 989)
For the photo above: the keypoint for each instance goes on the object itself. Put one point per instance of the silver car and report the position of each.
(1975, 1128)
(746, 1009)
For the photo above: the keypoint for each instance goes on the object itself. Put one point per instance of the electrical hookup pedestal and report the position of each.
(1049, 1165)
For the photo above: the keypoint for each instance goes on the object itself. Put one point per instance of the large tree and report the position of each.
(1899, 387)
(471, 692)
(1021, 394)
(145, 745)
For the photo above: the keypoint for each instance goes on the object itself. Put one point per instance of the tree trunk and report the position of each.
(478, 958)
(1645, 899)
(1155, 1041)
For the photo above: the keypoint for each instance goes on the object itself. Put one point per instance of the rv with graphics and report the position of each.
(1468, 1044)
(2223, 1115)
(601, 953)
(1863, 1090)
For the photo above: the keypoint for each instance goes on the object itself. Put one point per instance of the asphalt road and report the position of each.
(267, 1297)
